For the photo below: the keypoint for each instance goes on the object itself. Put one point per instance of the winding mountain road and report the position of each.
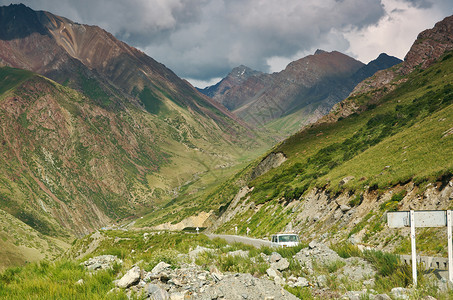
(241, 239)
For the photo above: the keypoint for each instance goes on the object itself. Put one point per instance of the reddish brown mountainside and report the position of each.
(319, 80)
(114, 133)
(73, 54)
(306, 90)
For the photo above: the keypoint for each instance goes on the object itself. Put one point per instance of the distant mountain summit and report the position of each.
(303, 92)
(429, 46)
(382, 62)
(236, 77)
(227, 91)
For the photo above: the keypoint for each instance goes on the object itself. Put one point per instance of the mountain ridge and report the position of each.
(122, 71)
(311, 86)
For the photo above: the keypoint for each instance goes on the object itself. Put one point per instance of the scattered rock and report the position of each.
(316, 252)
(301, 282)
(382, 297)
(217, 277)
(178, 296)
(236, 286)
(275, 257)
(194, 253)
(344, 208)
(102, 262)
(345, 180)
(400, 293)
(321, 281)
(155, 292)
(357, 269)
(272, 273)
(80, 282)
(355, 295)
(160, 267)
(240, 253)
(279, 280)
(281, 265)
(312, 245)
(132, 277)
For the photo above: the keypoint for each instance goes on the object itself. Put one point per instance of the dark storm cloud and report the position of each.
(202, 39)
(205, 38)
(250, 32)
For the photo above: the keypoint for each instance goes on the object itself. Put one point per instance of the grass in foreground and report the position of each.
(57, 280)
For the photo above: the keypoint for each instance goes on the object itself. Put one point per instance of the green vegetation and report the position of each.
(57, 280)
(400, 138)
(346, 250)
(11, 77)
(151, 101)
(391, 271)
(92, 89)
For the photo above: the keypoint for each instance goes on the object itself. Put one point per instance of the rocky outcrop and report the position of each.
(237, 206)
(271, 161)
(103, 262)
(132, 277)
(192, 221)
(190, 281)
(429, 46)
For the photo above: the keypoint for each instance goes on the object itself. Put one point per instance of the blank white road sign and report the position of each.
(423, 218)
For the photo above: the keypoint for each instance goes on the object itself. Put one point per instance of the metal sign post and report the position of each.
(450, 246)
(428, 218)
(413, 249)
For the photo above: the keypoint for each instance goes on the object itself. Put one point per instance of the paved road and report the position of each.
(241, 239)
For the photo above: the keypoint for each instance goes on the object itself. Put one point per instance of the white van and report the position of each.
(285, 240)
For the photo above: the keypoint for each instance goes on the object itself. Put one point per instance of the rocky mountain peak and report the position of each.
(242, 73)
(19, 21)
(429, 46)
(238, 76)
(319, 51)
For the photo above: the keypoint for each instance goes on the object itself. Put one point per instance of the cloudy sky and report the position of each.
(202, 40)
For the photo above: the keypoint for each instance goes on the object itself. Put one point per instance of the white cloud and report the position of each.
(393, 34)
(203, 83)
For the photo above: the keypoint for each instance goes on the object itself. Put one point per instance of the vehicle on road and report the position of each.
(285, 239)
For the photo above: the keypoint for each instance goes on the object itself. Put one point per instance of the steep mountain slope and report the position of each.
(115, 134)
(92, 60)
(339, 178)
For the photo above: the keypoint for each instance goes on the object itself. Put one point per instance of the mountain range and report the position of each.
(300, 94)
(95, 133)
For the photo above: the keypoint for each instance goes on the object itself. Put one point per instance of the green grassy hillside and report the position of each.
(405, 137)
